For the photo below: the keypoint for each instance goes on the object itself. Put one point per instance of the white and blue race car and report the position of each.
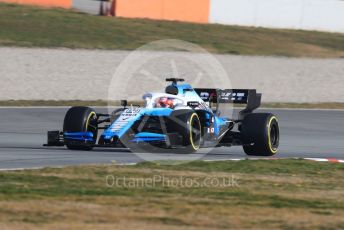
(182, 119)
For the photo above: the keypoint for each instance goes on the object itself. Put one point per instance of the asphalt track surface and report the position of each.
(304, 133)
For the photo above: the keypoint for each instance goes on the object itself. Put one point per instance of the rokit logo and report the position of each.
(225, 96)
(232, 96)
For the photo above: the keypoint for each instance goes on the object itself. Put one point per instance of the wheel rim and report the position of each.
(274, 135)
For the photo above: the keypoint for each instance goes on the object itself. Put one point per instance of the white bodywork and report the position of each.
(179, 102)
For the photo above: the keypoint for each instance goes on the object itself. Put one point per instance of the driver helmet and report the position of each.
(165, 102)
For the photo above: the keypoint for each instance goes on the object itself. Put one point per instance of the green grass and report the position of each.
(40, 27)
(280, 194)
(253, 167)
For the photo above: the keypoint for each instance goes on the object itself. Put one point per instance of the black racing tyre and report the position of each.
(188, 125)
(260, 134)
(80, 119)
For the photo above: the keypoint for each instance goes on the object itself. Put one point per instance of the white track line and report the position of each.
(332, 160)
(325, 160)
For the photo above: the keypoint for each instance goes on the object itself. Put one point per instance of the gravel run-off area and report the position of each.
(65, 74)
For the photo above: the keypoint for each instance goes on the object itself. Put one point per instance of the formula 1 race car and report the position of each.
(182, 119)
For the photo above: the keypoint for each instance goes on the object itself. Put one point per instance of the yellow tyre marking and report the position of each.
(273, 150)
(88, 119)
(191, 141)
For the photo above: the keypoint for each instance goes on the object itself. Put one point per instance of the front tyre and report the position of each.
(260, 134)
(80, 119)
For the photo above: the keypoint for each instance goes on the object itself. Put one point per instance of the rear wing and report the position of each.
(250, 97)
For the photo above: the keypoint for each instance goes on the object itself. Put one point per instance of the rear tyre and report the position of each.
(80, 119)
(260, 134)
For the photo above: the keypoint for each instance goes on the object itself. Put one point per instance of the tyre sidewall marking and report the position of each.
(273, 150)
(190, 127)
(88, 119)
